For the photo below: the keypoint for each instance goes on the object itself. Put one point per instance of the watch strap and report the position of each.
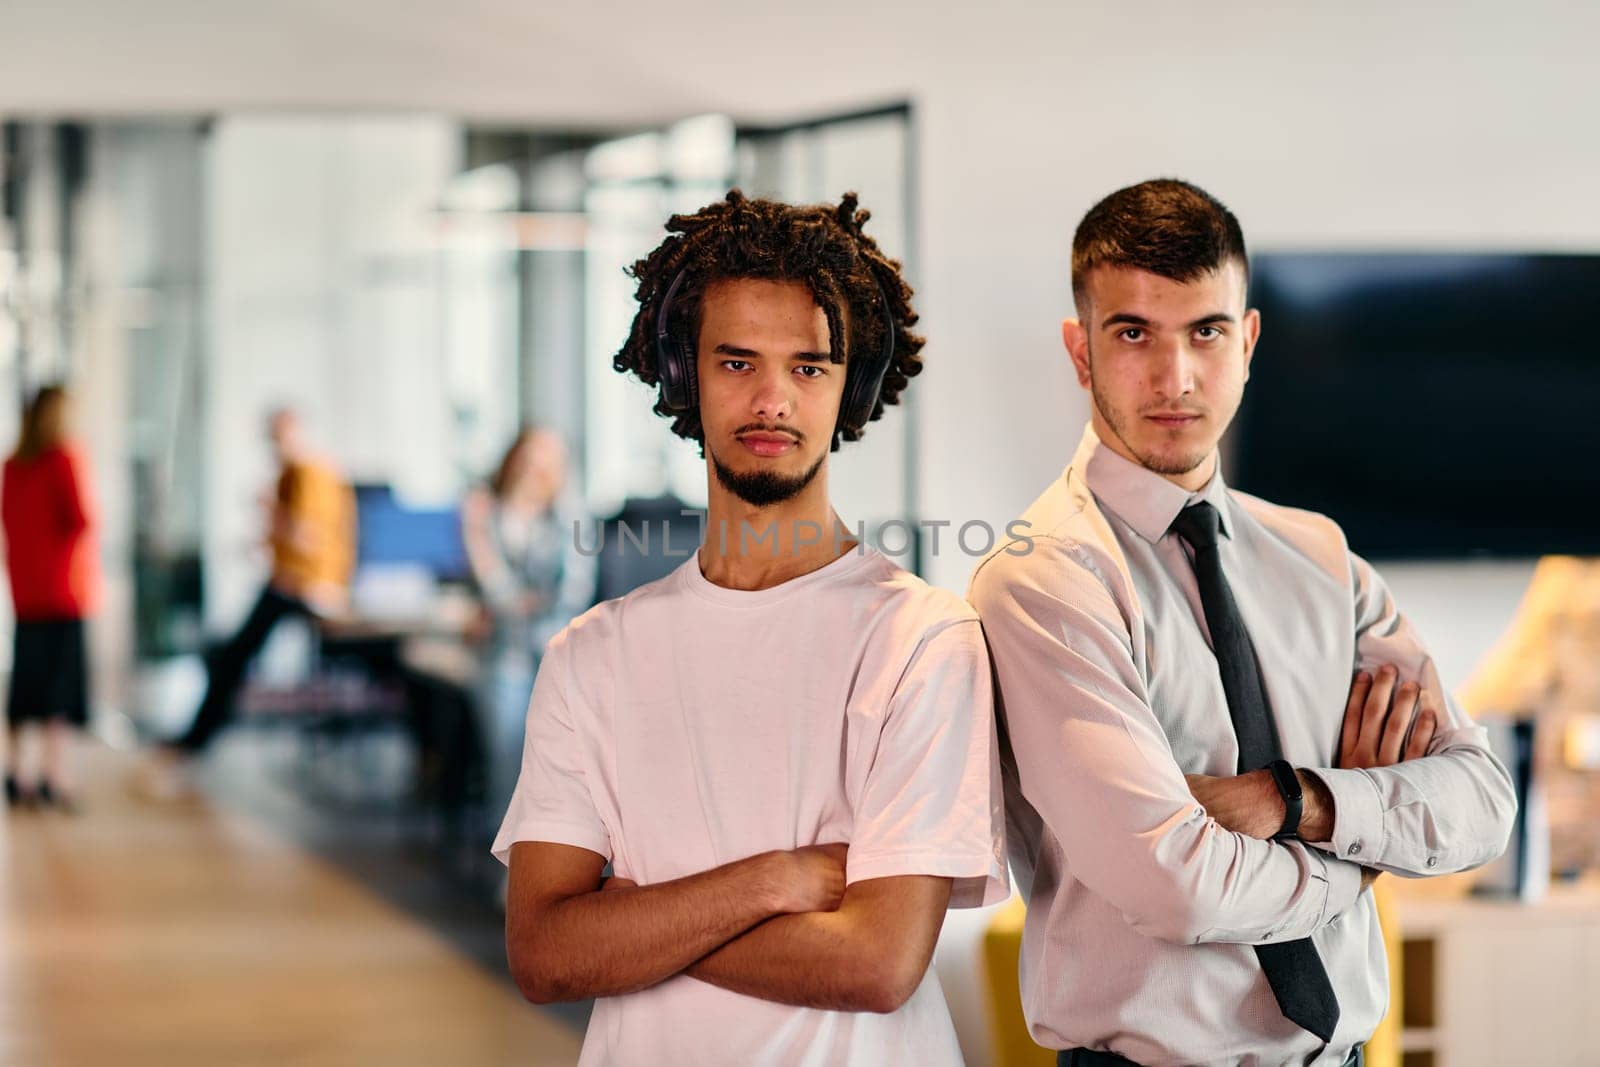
(1288, 784)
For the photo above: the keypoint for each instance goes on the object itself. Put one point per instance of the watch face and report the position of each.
(1288, 781)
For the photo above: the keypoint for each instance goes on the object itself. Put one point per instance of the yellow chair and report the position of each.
(1008, 1030)
(1384, 1048)
(1002, 946)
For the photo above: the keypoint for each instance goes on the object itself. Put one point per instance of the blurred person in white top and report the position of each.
(785, 748)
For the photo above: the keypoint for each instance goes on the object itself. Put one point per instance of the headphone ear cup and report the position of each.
(677, 376)
(691, 378)
(857, 406)
(863, 382)
(675, 370)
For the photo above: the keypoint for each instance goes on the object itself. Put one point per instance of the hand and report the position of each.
(1378, 717)
(811, 878)
(1248, 804)
(478, 627)
(615, 882)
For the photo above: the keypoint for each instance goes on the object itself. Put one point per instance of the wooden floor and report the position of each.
(149, 934)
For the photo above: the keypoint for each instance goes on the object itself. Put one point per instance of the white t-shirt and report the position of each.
(685, 726)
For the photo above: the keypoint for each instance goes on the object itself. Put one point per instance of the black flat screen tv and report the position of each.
(1437, 406)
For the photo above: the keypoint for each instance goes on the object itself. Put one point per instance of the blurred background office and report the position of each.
(409, 224)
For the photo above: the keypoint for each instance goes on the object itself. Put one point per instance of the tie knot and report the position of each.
(1198, 524)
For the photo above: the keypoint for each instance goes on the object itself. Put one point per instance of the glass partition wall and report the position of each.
(418, 288)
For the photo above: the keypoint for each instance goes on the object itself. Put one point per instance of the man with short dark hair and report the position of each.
(785, 748)
(1197, 795)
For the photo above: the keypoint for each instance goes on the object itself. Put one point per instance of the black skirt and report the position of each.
(49, 673)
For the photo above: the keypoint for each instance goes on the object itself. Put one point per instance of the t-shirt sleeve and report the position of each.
(931, 802)
(552, 801)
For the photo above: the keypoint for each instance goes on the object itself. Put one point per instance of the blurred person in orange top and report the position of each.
(53, 563)
(311, 536)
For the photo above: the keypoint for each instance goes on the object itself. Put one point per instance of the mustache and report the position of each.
(761, 427)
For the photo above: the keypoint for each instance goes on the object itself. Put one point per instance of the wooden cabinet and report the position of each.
(1498, 982)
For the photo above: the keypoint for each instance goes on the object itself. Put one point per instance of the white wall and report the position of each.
(324, 294)
(1420, 126)
(867, 479)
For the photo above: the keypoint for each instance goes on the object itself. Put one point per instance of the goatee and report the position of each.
(763, 488)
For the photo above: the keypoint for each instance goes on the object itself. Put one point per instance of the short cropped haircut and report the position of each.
(1165, 226)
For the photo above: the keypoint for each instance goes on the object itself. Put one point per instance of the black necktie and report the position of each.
(1293, 968)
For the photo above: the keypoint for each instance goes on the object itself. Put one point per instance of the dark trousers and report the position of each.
(1082, 1057)
(229, 663)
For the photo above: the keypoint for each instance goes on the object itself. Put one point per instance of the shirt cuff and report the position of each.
(1344, 886)
(1357, 816)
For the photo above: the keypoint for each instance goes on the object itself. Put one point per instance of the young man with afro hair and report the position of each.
(785, 748)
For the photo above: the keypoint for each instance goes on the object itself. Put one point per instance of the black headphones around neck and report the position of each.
(680, 387)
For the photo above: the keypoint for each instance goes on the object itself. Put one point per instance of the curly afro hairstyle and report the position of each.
(820, 246)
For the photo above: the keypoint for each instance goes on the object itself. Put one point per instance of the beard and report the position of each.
(763, 488)
(1170, 463)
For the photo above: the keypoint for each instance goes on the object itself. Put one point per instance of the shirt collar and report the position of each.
(1142, 498)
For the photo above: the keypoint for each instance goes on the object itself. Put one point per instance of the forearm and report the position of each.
(1447, 812)
(603, 944)
(1231, 887)
(1204, 868)
(809, 960)
(1095, 745)
(1210, 872)
(577, 589)
(485, 564)
(861, 957)
(1316, 809)
(488, 571)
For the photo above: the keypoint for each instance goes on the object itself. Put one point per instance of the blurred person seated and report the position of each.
(518, 530)
(311, 536)
(53, 562)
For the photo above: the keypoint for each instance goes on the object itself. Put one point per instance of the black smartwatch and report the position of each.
(1288, 784)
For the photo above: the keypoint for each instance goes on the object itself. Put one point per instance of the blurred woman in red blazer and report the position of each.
(54, 566)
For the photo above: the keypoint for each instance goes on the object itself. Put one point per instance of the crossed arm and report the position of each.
(781, 926)
(1384, 724)
(1415, 789)
(1089, 755)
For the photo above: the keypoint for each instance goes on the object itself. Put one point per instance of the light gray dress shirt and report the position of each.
(1141, 908)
